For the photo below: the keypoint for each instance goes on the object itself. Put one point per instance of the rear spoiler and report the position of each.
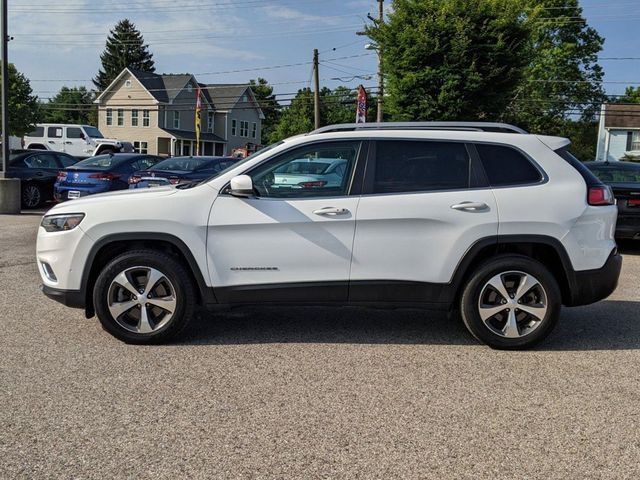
(554, 143)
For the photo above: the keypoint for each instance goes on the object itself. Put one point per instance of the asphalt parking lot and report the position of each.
(312, 393)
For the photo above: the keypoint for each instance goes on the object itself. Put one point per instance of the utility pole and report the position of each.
(316, 90)
(5, 90)
(380, 74)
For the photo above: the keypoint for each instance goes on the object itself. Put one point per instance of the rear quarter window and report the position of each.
(506, 166)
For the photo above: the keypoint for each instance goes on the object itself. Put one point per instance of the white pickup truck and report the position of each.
(81, 141)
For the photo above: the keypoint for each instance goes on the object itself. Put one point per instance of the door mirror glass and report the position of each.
(241, 186)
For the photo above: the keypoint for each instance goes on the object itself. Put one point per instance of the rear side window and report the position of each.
(507, 166)
(415, 166)
(54, 132)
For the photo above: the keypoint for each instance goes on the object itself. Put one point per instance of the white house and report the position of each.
(619, 132)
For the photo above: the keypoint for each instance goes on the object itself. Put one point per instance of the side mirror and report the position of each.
(241, 186)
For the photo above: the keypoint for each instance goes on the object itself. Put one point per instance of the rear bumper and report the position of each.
(590, 286)
(69, 298)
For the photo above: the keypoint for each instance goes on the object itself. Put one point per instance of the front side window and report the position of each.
(318, 170)
(140, 147)
(145, 118)
(507, 166)
(74, 132)
(176, 119)
(134, 118)
(121, 117)
(415, 166)
(109, 114)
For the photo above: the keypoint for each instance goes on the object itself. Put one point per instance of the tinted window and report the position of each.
(44, 160)
(54, 132)
(507, 166)
(144, 163)
(610, 174)
(101, 162)
(408, 166)
(37, 132)
(74, 132)
(67, 161)
(293, 174)
(183, 163)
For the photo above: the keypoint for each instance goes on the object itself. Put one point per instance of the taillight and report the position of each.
(106, 177)
(133, 179)
(600, 195)
(633, 202)
(62, 176)
(317, 183)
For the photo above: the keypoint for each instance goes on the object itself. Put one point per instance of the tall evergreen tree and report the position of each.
(125, 48)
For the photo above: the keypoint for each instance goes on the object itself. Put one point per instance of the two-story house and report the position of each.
(157, 114)
(619, 132)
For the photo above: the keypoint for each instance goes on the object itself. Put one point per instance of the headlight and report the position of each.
(60, 223)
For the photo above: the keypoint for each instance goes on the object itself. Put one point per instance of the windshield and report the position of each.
(101, 162)
(183, 163)
(92, 132)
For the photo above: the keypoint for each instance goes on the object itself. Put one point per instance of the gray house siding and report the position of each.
(247, 113)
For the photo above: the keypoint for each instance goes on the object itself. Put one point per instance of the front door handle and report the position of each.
(331, 211)
(470, 206)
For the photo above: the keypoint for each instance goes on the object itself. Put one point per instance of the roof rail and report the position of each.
(465, 126)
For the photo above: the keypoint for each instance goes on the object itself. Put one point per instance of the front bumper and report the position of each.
(590, 286)
(69, 298)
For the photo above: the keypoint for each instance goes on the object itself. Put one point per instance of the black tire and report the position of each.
(532, 330)
(183, 293)
(32, 195)
(106, 151)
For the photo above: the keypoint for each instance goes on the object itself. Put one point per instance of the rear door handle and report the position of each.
(331, 211)
(470, 206)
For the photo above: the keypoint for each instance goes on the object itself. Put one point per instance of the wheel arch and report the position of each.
(112, 245)
(546, 250)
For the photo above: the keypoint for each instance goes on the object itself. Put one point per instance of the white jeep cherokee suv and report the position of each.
(483, 219)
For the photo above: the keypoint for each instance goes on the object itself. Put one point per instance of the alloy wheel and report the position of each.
(512, 304)
(31, 196)
(141, 299)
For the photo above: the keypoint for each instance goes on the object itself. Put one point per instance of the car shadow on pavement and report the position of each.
(608, 325)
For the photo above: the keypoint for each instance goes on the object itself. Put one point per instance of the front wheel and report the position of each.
(511, 302)
(144, 297)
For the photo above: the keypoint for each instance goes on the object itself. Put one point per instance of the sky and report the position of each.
(59, 42)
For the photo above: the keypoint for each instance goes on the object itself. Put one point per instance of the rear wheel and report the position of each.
(511, 302)
(144, 297)
(32, 195)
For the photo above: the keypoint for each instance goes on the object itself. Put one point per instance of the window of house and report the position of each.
(145, 118)
(316, 170)
(254, 130)
(134, 118)
(109, 116)
(210, 122)
(140, 147)
(176, 119)
(54, 132)
(234, 126)
(415, 166)
(507, 166)
(635, 140)
(121, 117)
(244, 128)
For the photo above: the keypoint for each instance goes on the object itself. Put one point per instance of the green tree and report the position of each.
(631, 95)
(339, 105)
(451, 59)
(269, 105)
(71, 105)
(295, 118)
(23, 105)
(125, 48)
(562, 79)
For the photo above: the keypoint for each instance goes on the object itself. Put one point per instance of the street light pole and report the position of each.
(5, 89)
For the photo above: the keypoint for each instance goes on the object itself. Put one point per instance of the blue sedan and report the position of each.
(99, 174)
(180, 170)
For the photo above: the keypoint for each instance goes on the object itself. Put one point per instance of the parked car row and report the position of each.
(47, 175)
